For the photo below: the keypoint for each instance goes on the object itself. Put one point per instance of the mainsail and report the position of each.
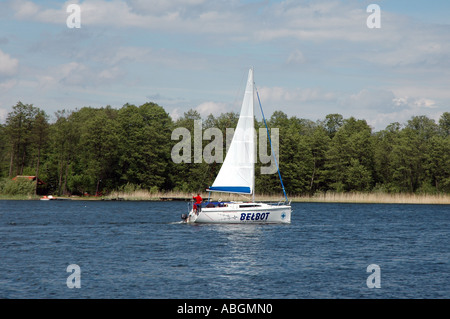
(238, 169)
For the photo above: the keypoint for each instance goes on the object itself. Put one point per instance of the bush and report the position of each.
(17, 187)
(154, 189)
(129, 188)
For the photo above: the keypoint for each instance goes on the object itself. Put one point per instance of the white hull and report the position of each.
(50, 197)
(242, 213)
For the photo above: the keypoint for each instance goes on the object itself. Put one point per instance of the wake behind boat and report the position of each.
(237, 175)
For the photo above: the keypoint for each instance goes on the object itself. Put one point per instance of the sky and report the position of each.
(310, 58)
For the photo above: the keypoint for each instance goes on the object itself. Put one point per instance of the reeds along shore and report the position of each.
(329, 197)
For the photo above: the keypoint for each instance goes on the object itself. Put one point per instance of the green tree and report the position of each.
(145, 145)
(351, 155)
(332, 123)
(189, 176)
(444, 124)
(18, 130)
(438, 162)
(409, 155)
(318, 144)
(384, 142)
(270, 183)
(99, 152)
(3, 152)
(296, 160)
(64, 137)
(39, 135)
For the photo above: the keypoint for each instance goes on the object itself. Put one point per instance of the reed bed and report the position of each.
(329, 197)
(376, 198)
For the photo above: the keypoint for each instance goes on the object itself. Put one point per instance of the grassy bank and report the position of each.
(18, 197)
(318, 198)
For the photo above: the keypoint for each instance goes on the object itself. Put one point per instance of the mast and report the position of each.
(254, 137)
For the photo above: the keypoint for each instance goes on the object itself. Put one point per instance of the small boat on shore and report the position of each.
(49, 197)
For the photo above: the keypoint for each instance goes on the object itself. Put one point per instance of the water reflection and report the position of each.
(243, 250)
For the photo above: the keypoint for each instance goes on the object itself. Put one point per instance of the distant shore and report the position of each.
(329, 197)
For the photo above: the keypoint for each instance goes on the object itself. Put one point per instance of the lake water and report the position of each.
(140, 250)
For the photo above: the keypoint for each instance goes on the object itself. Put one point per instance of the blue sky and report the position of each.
(311, 58)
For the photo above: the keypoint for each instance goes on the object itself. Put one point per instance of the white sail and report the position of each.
(238, 170)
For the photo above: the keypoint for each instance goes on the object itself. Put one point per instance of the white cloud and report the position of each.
(28, 10)
(399, 42)
(427, 103)
(316, 21)
(379, 107)
(121, 54)
(7, 85)
(161, 6)
(435, 92)
(281, 95)
(69, 76)
(208, 108)
(175, 114)
(143, 14)
(8, 65)
(371, 99)
(24, 9)
(3, 114)
(83, 75)
(296, 57)
(415, 102)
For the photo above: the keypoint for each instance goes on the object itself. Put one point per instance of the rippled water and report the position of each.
(140, 250)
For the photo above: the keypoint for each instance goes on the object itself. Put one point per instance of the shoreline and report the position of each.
(357, 198)
(329, 197)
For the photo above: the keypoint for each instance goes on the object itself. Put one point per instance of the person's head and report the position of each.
(198, 194)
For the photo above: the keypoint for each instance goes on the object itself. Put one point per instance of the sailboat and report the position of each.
(237, 176)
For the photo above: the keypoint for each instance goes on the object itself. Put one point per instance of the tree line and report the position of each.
(98, 150)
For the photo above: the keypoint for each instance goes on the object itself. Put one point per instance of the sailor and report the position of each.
(198, 203)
